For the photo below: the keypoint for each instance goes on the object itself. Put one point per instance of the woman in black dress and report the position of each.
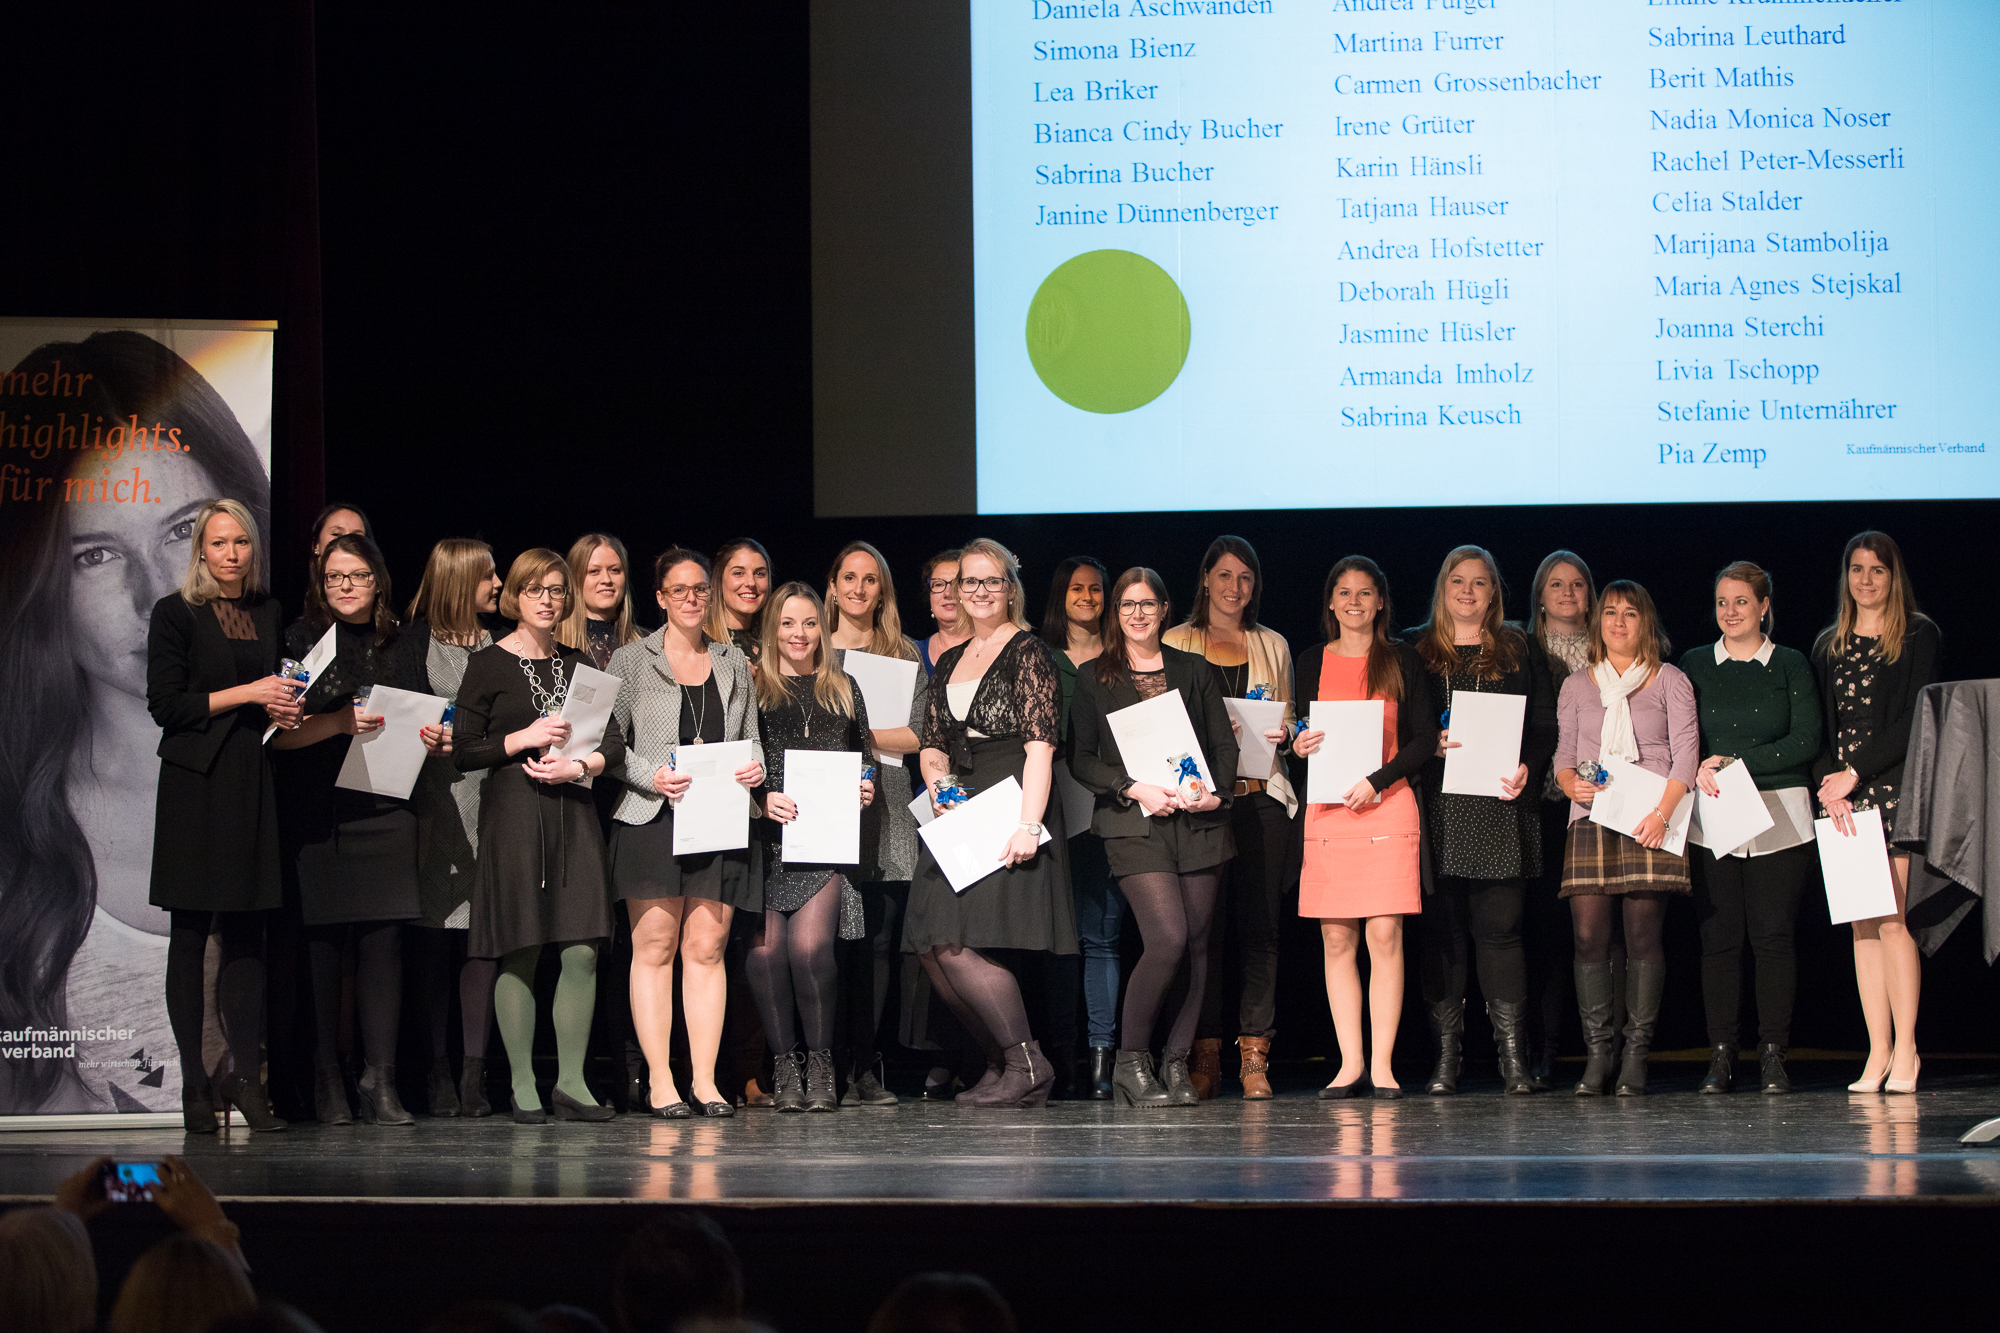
(678, 688)
(1484, 848)
(355, 853)
(1166, 840)
(1871, 664)
(540, 878)
(212, 650)
(805, 702)
(994, 712)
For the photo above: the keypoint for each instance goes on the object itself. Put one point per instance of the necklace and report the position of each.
(698, 705)
(547, 702)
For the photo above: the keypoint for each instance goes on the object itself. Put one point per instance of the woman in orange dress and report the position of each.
(1363, 868)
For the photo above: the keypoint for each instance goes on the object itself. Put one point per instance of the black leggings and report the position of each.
(378, 987)
(791, 967)
(1645, 915)
(1755, 898)
(1249, 915)
(1486, 913)
(1175, 913)
(474, 983)
(869, 964)
(239, 989)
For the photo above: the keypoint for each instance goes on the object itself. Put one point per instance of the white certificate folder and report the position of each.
(887, 686)
(1856, 869)
(1350, 750)
(1487, 729)
(713, 814)
(825, 785)
(1152, 738)
(1623, 803)
(386, 761)
(968, 840)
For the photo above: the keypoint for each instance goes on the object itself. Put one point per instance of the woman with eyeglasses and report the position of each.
(861, 605)
(460, 584)
(354, 853)
(994, 712)
(1166, 840)
(1363, 869)
(540, 878)
(680, 688)
(212, 652)
(941, 581)
(743, 588)
(1484, 847)
(1254, 661)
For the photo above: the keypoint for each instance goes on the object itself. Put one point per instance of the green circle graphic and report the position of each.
(1108, 331)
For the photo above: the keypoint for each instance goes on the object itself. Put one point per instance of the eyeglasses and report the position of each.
(365, 579)
(693, 592)
(942, 585)
(994, 584)
(550, 592)
(1149, 607)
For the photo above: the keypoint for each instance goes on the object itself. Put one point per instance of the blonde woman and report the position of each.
(1252, 659)
(742, 589)
(1871, 664)
(599, 619)
(212, 651)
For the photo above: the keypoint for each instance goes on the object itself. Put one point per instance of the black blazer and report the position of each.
(1892, 709)
(187, 659)
(1093, 753)
(1539, 731)
(1416, 717)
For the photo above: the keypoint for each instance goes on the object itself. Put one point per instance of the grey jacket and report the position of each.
(649, 710)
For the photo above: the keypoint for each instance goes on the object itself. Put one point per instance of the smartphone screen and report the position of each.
(130, 1182)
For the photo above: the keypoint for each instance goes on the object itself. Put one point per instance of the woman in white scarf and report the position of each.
(1629, 706)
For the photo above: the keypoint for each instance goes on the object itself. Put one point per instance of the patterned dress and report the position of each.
(1854, 685)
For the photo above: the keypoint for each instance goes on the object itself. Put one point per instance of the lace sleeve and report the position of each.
(1037, 693)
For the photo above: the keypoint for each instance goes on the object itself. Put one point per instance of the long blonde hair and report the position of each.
(448, 593)
(1897, 616)
(571, 631)
(831, 685)
(199, 586)
(885, 636)
(1502, 645)
(1017, 600)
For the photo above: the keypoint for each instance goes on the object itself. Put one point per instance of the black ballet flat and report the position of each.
(569, 1108)
(671, 1111)
(714, 1110)
(1388, 1094)
(534, 1117)
(1342, 1091)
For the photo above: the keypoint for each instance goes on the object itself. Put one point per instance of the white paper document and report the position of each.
(968, 840)
(1487, 728)
(888, 685)
(1350, 750)
(826, 787)
(1152, 736)
(1623, 803)
(1255, 757)
(1856, 869)
(386, 761)
(713, 814)
(587, 708)
(1736, 816)
(314, 662)
(921, 808)
(1079, 802)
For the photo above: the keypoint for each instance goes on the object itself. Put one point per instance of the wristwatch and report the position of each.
(1030, 827)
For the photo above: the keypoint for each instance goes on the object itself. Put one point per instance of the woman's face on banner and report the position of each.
(123, 558)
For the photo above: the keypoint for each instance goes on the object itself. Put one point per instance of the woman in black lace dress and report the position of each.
(993, 712)
(805, 702)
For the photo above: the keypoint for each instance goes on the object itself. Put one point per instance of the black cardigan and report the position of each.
(189, 658)
(1539, 731)
(1093, 753)
(1416, 716)
(1893, 708)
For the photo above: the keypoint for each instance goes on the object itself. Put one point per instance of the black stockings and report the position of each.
(1645, 914)
(378, 987)
(475, 993)
(1485, 913)
(1174, 913)
(983, 995)
(239, 989)
(791, 966)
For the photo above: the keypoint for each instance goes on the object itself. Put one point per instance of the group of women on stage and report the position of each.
(511, 847)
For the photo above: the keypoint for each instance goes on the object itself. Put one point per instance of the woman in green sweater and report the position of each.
(1758, 707)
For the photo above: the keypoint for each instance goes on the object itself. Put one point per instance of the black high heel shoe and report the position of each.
(379, 1103)
(330, 1096)
(248, 1099)
(535, 1117)
(197, 1108)
(569, 1108)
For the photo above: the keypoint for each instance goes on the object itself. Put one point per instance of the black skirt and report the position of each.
(365, 871)
(643, 865)
(540, 876)
(225, 858)
(1027, 906)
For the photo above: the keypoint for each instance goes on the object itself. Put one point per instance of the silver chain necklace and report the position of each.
(547, 702)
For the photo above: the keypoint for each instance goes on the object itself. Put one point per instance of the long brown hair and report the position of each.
(571, 630)
(885, 636)
(1116, 659)
(319, 612)
(831, 685)
(1537, 616)
(1242, 550)
(1501, 644)
(717, 625)
(1897, 616)
(1385, 674)
(1653, 643)
(448, 593)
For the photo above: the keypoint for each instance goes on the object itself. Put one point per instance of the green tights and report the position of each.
(514, 1010)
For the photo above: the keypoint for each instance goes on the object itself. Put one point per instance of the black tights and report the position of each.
(791, 966)
(378, 987)
(982, 994)
(1485, 913)
(475, 993)
(239, 989)
(1174, 913)
(1645, 915)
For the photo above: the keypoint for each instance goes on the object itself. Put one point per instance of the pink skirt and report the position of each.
(1362, 863)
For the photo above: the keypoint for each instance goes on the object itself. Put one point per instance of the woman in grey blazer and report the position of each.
(680, 688)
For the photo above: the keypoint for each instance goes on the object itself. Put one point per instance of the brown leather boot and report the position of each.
(1256, 1060)
(1205, 1067)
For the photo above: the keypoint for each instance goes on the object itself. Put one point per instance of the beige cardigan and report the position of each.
(1270, 664)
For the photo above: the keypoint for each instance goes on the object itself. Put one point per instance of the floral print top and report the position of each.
(1854, 684)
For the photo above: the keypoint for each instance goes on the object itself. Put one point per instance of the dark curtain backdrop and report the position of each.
(565, 265)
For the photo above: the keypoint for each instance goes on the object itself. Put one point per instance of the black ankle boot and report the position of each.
(379, 1103)
(1024, 1081)
(1133, 1083)
(1510, 1019)
(330, 1096)
(197, 1105)
(248, 1099)
(443, 1099)
(1645, 982)
(1102, 1060)
(1721, 1076)
(788, 1081)
(1447, 1024)
(1771, 1065)
(472, 1100)
(820, 1095)
(1174, 1078)
(1593, 1006)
